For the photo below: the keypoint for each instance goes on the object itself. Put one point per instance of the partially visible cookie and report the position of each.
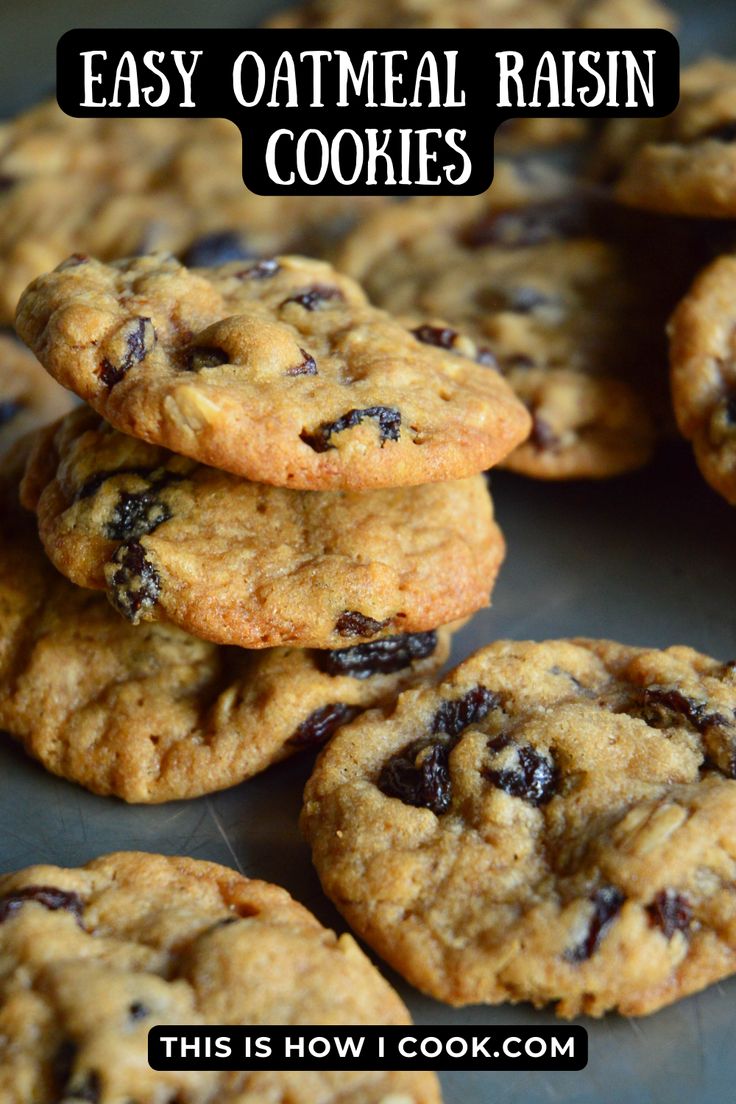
(553, 822)
(684, 164)
(95, 957)
(703, 372)
(278, 370)
(524, 280)
(29, 397)
(243, 563)
(113, 187)
(494, 14)
(152, 714)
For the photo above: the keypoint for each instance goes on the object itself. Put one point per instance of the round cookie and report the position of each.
(493, 14)
(547, 299)
(243, 563)
(94, 957)
(113, 187)
(553, 822)
(684, 164)
(29, 397)
(151, 714)
(279, 371)
(703, 373)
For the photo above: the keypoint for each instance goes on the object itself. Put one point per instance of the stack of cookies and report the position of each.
(277, 486)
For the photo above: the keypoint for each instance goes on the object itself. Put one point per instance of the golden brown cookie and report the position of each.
(29, 397)
(529, 280)
(279, 371)
(703, 372)
(553, 822)
(94, 957)
(113, 187)
(243, 563)
(684, 164)
(151, 714)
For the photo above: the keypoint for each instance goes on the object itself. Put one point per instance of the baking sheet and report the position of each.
(646, 559)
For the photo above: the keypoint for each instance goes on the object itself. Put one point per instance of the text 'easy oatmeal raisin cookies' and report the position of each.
(95, 957)
(244, 563)
(151, 714)
(279, 371)
(553, 822)
(532, 281)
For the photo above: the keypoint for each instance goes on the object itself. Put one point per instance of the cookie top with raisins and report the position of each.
(554, 290)
(277, 370)
(553, 822)
(29, 397)
(97, 956)
(703, 372)
(684, 164)
(152, 714)
(114, 187)
(244, 563)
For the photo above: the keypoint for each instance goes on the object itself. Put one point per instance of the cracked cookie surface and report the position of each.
(684, 164)
(114, 187)
(29, 397)
(279, 371)
(94, 957)
(523, 280)
(151, 714)
(244, 563)
(554, 822)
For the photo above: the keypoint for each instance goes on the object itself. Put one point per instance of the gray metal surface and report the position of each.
(646, 559)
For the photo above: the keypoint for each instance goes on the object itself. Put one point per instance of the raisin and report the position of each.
(308, 366)
(671, 912)
(535, 224)
(313, 298)
(442, 336)
(420, 776)
(518, 360)
(607, 903)
(660, 701)
(62, 1063)
(321, 724)
(523, 300)
(389, 426)
(6, 181)
(729, 408)
(136, 514)
(139, 340)
(138, 1010)
(135, 585)
(353, 623)
(535, 779)
(454, 716)
(200, 356)
(261, 270)
(542, 435)
(49, 896)
(487, 358)
(8, 410)
(379, 657)
(726, 132)
(216, 249)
